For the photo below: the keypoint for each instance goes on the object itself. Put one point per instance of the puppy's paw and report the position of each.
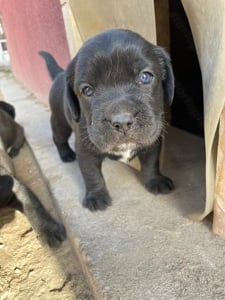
(98, 200)
(13, 152)
(54, 233)
(160, 185)
(68, 156)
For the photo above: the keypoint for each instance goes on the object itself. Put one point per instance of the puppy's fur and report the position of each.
(112, 96)
(16, 195)
(8, 108)
(12, 133)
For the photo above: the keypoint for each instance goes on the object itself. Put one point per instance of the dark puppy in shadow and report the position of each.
(13, 193)
(112, 96)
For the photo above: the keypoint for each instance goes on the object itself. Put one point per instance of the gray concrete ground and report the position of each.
(143, 246)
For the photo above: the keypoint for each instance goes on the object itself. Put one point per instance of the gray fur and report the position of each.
(15, 194)
(113, 112)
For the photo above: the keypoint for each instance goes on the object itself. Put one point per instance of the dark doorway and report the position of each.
(187, 108)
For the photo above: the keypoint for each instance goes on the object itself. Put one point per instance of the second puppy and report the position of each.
(13, 193)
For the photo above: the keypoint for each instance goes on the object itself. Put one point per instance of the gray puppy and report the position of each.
(112, 96)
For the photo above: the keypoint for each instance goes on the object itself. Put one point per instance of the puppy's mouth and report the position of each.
(124, 147)
(122, 135)
(108, 141)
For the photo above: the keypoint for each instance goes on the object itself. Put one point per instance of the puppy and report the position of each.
(13, 193)
(16, 195)
(112, 96)
(8, 108)
(12, 133)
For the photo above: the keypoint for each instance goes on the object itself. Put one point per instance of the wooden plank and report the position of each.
(94, 16)
(72, 32)
(219, 203)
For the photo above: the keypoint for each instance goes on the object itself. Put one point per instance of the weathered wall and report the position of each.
(31, 26)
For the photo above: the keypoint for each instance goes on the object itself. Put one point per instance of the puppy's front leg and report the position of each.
(97, 196)
(153, 180)
(18, 196)
(18, 142)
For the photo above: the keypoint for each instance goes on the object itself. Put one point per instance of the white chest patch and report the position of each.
(125, 156)
(126, 152)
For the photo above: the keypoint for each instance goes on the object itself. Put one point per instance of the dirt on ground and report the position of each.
(29, 269)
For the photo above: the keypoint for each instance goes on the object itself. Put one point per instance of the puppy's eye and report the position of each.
(145, 77)
(87, 90)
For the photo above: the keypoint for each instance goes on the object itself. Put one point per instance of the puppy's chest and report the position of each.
(125, 154)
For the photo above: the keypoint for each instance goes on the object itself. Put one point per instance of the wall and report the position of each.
(31, 26)
(93, 16)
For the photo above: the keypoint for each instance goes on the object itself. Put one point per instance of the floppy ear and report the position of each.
(73, 102)
(168, 77)
(69, 94)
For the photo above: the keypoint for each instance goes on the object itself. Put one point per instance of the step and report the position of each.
(143, 246)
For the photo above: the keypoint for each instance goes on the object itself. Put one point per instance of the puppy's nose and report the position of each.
(122, 122)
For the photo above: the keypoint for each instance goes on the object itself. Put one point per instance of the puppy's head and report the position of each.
(117, 84)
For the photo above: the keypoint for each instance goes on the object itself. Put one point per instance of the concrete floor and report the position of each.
(143, 246)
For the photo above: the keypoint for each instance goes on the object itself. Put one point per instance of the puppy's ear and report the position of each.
(73, 102)
(168, 77)
(69, 93)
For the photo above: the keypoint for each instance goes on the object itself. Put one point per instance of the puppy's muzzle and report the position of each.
(122, 122)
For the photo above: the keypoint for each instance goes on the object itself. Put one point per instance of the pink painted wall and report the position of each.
(31, 26)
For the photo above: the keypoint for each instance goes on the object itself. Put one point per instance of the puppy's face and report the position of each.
(120, 82)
